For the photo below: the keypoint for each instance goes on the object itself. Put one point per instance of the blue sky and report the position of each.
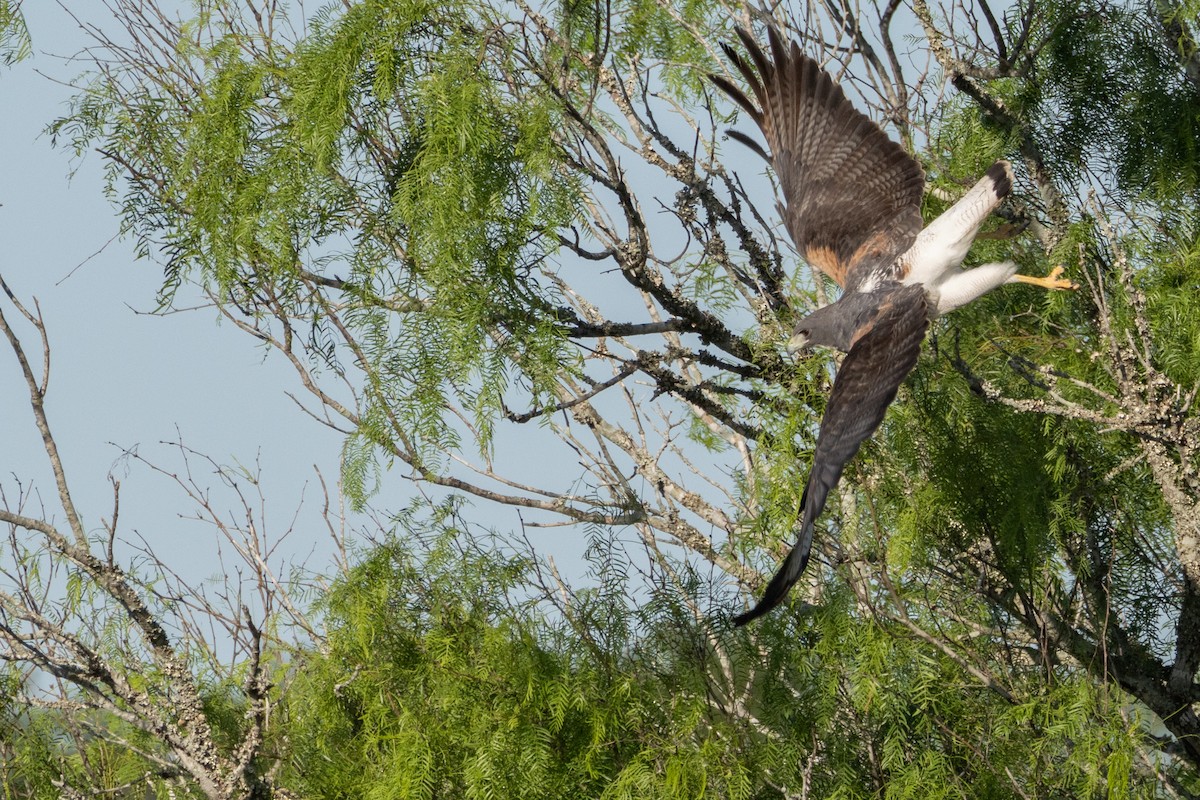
(120, 377)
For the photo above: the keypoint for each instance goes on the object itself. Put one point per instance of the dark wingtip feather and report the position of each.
(779, 48)
(793, 566)
(736, 95)
(749, 616)
(738, 136)
(1002, 178)
(785, 578)
(746, 38)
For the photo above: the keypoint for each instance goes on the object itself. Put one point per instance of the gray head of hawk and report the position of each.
(852, 204)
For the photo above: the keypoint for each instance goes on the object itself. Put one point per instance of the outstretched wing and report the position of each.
(853, 196)
(883, 352)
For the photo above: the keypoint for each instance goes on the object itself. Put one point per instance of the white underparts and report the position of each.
(936, 256)
(960, 286)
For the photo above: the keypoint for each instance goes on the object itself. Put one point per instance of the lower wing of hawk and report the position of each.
(883, 352)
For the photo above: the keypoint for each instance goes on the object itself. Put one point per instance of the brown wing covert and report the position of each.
(852, 195)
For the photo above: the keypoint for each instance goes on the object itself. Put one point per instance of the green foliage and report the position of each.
(788, 438)
(965, 145)
(1108, 95)
(27, 764)
(444, 673)
(42, 750)
(1169, 273)
(875, 712)
(406, 158)
(390, 152)
(648, 30)
(14, 36)
(438, 679)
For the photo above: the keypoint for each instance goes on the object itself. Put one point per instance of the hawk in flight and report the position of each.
(852, 204)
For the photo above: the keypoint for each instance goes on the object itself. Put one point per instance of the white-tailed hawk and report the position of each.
(852, 204)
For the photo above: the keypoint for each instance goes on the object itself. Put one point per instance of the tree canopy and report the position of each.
(513, 258)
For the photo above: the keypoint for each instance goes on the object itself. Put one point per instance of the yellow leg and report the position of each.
(1051, 281)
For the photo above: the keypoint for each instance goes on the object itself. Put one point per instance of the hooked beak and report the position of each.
(798, 342)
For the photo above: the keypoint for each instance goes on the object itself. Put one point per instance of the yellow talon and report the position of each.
(1051, 281)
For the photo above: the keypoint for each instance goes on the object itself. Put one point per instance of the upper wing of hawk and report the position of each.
(852, 205)
(853, 196)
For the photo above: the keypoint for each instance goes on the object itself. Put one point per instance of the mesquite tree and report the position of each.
(487, 235)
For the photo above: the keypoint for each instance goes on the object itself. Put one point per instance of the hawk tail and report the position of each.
(785, 577)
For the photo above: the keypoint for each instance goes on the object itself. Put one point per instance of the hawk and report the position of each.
(852, 204)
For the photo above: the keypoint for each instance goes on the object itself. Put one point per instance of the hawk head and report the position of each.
(801, 339)
(839, 324)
